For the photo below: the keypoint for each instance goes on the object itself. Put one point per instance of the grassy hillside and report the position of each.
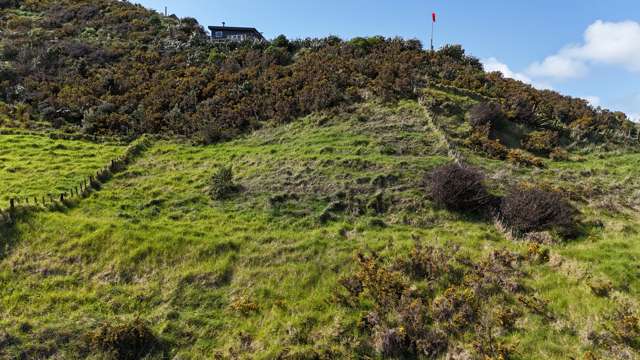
(302, 199)
(260, 274)
(35, 165)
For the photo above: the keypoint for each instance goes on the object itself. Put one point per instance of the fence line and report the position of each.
(21, 205)
(56, 135)
(451, 147)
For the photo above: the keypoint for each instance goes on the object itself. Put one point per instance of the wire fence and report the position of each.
(18, 205)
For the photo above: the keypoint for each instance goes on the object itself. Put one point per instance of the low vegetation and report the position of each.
(257, 275)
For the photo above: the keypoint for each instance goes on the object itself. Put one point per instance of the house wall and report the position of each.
(233, 35)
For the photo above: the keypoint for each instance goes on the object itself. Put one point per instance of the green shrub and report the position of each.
(521, 158)
(222, 185)
(216, 57)
(479, 141)
(421, 304)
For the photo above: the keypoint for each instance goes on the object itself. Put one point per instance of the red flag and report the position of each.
(434, 17)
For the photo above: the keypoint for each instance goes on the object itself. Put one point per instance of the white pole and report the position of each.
(432, 27)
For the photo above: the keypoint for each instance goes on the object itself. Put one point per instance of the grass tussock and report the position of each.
(131, 340)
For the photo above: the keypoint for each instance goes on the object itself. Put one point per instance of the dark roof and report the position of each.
(239, 29)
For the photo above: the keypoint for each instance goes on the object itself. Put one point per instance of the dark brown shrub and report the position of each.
(126, 341)
(458, 188)
(485, 113)
(526, 210)
(626, 327)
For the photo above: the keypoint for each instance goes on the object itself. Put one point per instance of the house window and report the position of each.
(219, 34)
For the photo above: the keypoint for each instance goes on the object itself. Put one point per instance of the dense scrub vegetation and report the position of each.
(434, 302)
(112, 67)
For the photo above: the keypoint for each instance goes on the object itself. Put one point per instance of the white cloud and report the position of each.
(635, 117)
(613, 43)
(492, 64)
(558, 66)
(595, 101)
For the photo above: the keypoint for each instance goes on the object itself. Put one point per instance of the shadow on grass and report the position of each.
(9, 236)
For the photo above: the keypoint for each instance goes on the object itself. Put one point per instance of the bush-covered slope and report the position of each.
(110, 66)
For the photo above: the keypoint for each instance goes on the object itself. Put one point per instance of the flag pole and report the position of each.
(432, 25)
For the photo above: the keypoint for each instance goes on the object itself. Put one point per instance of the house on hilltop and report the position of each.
(229, 33)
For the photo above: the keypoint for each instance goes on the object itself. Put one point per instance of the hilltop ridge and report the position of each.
(103, 66)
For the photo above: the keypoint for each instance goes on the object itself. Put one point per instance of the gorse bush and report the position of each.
(222, 185)
(426, 302)
(458, 188)
(541, 142)
(526, 210)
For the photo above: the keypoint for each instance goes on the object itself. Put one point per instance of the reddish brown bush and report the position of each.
(485, 114)
(526, 210)
(458, 188)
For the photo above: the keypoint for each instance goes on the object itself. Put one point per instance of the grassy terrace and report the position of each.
(34, 165)
(255, 276)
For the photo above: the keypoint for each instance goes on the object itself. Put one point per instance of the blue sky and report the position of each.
(584, 48)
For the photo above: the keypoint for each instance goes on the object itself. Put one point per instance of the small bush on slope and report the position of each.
(526, 210)
(458, 188)
(222, 185)
(541, 142)
(126, 341)
(485, 114)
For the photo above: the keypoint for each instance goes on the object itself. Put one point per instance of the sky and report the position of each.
(583, 48)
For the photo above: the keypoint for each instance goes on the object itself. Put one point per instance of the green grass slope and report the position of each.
(256, 275)
(36, 165)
